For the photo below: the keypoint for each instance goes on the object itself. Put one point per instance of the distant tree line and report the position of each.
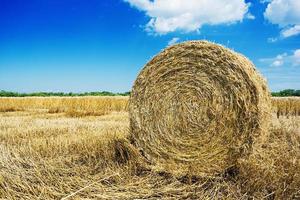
(60, 94)
(3, 93)
(287, 93)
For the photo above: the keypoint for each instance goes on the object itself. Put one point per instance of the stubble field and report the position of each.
(79, 148)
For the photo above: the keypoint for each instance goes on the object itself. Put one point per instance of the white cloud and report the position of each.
(277, 63)
(279, 60)
(283, 59)
(250, 16)
(296, 57)
(181, 15)
(272, 40)
(173, 41)
(295, 30)
(286, 14)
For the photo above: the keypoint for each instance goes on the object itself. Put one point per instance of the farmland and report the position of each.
(79, 147)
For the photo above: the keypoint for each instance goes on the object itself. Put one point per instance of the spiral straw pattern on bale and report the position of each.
(197, 107)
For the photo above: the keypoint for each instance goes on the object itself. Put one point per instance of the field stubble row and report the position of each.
(97, 106)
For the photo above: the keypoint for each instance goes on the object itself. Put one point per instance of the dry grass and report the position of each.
(286, 106)
(52, 155)
(282, 106)
(71, 106)
(273, 169)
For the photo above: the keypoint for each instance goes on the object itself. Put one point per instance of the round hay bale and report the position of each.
(197, 107)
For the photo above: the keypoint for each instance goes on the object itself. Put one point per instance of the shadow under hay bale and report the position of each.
(197, 107)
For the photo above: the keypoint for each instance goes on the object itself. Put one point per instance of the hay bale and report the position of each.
(197, 107)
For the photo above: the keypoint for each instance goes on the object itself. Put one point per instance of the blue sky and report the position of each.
(75, 45)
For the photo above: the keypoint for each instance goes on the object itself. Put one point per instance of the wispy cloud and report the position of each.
(250, 16)
(277, 63)
(272, 40)
(295, 30)
(168, 15)
(283, 59)
(173, 41)
(296, 57)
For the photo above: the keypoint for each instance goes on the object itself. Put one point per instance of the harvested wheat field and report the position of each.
(47, 155)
